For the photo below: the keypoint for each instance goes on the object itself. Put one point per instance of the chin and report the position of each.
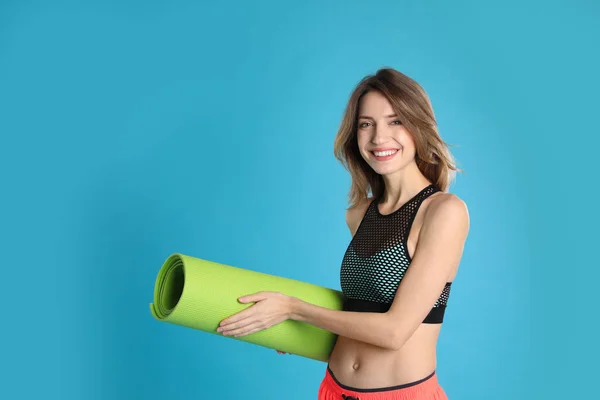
(384, 169)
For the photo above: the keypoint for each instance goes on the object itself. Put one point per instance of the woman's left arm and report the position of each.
(437, 257)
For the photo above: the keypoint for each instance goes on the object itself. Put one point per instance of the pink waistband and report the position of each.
(426, 388)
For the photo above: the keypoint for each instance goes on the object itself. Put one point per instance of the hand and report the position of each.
(271, 308)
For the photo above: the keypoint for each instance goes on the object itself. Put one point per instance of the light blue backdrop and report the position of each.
(131, 130)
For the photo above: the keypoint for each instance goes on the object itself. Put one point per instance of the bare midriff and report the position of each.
(363, 365)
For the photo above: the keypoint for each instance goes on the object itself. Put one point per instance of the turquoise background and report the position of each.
(131, 130)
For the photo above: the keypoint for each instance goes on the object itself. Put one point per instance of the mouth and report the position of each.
(383, 155)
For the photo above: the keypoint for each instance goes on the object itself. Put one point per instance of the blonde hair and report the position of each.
(413, 107)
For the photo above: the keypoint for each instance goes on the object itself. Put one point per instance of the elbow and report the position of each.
(398, 332)
(398, 335)
(395, 340)
(395, 343)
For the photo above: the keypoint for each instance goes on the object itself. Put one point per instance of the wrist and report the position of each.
(293, 305)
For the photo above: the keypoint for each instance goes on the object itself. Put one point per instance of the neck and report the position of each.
(404, 184)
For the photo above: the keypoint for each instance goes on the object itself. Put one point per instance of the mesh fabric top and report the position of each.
(377, 259)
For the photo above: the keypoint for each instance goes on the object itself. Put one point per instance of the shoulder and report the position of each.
(355, 214)
(447, 211)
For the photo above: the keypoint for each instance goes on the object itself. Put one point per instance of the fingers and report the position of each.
(253, 298)
(236, 323)
(236, 319)
(242, 329)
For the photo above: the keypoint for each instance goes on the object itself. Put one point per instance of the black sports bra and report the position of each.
(377, 259)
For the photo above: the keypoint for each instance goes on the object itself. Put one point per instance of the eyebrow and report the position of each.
(367, 117)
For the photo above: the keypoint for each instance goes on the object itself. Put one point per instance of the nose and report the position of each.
(380, 134)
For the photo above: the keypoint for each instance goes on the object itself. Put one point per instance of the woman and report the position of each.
(407, 242)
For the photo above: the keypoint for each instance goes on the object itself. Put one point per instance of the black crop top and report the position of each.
(377, 259)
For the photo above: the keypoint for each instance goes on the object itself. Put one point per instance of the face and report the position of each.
(384, 143)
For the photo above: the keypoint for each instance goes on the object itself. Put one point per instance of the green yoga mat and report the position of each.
(199, 294)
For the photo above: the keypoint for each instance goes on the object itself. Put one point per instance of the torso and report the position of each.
(363, 365)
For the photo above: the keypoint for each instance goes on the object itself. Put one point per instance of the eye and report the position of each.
(363, 124)
(397, 122)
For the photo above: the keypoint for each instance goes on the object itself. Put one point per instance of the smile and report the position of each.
(384, 155)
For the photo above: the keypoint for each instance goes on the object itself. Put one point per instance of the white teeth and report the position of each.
(384, 153)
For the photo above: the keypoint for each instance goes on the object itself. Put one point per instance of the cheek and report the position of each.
(406, 140)
(362, 140)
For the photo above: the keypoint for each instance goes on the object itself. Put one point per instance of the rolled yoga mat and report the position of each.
(199, 294)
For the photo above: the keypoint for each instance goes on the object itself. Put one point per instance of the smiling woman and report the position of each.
(408, 235)
(392, 109)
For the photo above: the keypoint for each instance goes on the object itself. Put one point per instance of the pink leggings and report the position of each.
(426, 388)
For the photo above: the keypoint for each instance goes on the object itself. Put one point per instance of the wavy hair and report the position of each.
(412, 105)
